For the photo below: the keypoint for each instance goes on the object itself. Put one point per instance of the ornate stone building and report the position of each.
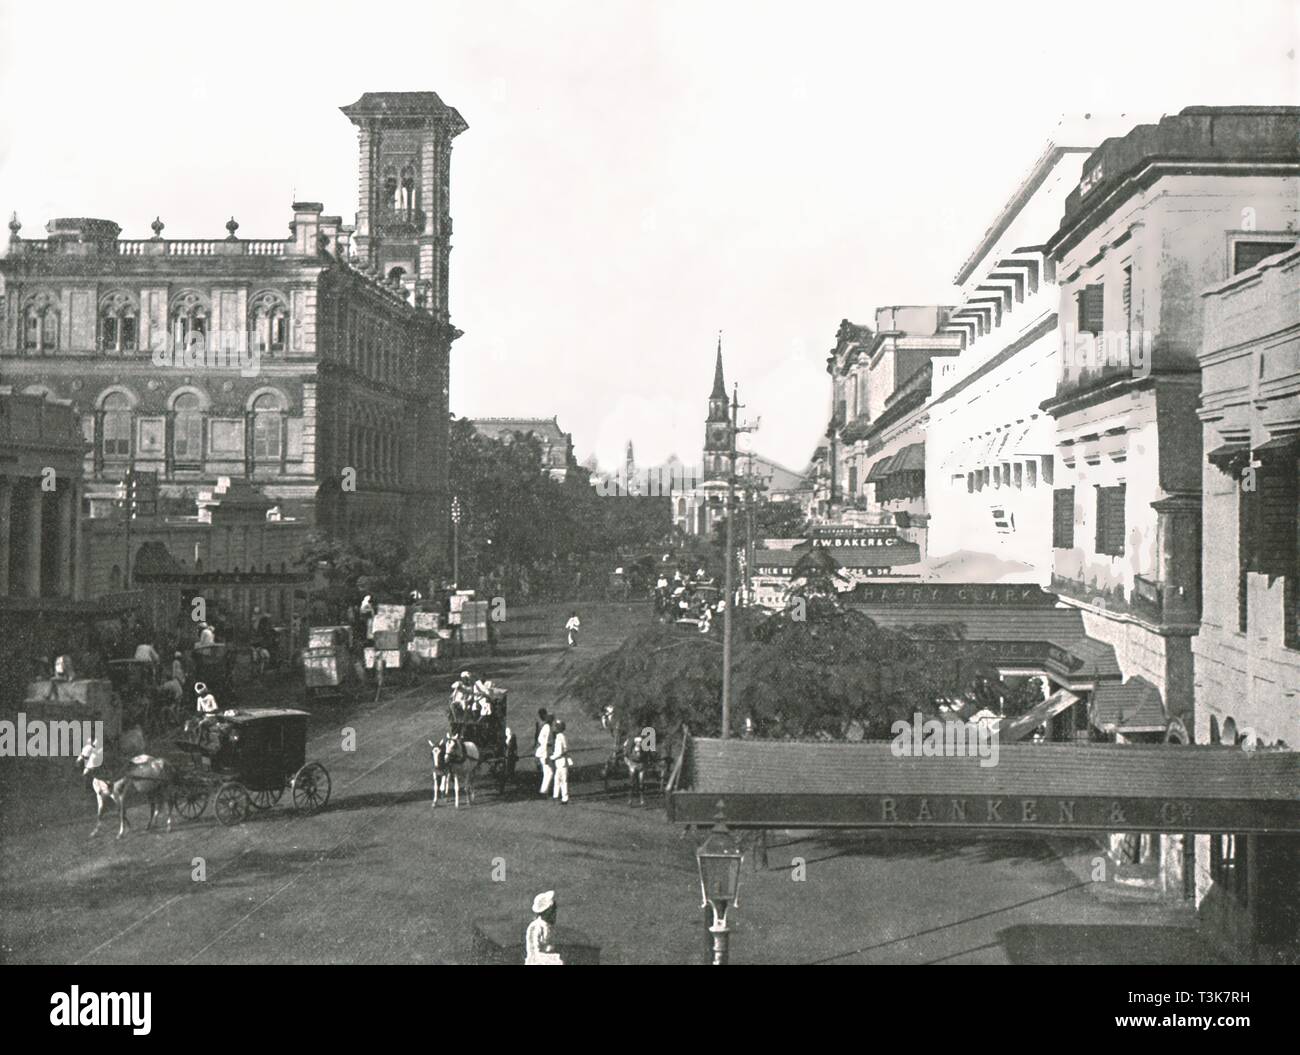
(313, 366)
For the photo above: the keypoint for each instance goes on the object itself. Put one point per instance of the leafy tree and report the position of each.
(833, 672)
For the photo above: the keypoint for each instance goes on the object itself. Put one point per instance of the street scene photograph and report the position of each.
(648, 483)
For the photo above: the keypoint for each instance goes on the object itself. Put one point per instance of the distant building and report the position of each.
(881, 382)
(234, 548)
(557, 445)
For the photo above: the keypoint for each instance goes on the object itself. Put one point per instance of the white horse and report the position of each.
(454, 760)
(148, 778)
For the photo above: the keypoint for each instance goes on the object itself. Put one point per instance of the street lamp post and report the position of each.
(455, 540)
(719, 858)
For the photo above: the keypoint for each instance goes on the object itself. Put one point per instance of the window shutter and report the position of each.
(1063, 518)
(1091, 305)
(1275, 551)
(1110, 520)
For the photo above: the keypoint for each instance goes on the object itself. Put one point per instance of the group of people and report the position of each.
(685, 596)
(552, 754)
(471, 698)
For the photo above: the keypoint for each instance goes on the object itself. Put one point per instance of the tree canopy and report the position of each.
(817, 669)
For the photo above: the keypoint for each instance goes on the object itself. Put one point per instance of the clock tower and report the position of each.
(717, 428)
(403, 231)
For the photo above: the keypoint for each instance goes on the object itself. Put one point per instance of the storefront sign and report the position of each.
(978, 811)
(920, 595)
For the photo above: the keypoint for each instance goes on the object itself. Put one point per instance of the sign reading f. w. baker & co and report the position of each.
(844, 537)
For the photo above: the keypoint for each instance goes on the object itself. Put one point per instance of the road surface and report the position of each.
(380, 877)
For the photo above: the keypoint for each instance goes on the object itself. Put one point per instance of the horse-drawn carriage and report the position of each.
(635, 756)
(244, 760)
(498, 751)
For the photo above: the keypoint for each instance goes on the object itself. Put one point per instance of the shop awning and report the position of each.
(1134, 706)
(1281, 444)
(1227, 457)
(910, 459)
(880, 469)
(1013, 729)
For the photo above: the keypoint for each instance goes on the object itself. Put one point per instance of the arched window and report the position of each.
(681, 507)
(115, 578)
(187, 431)
(41, 323)
(1230, 732)
(268, 320)
(189, 323)
(117, 323)
(267, 418)
(117, 427)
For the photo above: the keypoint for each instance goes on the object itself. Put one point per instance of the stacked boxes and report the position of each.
(473, 622)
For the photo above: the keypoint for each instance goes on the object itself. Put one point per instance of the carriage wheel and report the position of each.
(232, 803)
(190, 800)
(311, 788)
(265, 799)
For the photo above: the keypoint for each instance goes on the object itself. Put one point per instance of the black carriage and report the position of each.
(497, 751)
(244, 760)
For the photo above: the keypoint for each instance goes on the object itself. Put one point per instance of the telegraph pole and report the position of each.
(455, 542)
(729, 600)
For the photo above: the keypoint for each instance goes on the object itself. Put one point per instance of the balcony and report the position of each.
(391, 217)
(1164, 604)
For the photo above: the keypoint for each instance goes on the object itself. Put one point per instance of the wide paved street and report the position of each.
(380, 877)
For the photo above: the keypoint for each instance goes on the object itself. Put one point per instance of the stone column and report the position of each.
(6, 510)
(80, 546)
(35, 527)
(66, 531)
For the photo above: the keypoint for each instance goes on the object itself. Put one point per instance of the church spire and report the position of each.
(719, 385)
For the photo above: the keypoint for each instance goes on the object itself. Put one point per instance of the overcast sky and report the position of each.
(635, 176)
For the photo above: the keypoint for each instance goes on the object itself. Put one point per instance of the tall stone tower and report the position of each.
(717, 427)
(403, 230)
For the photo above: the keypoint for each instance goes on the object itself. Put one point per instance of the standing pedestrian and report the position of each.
(560, 761)
(573, 626)
(543, 752)
(539, 938)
